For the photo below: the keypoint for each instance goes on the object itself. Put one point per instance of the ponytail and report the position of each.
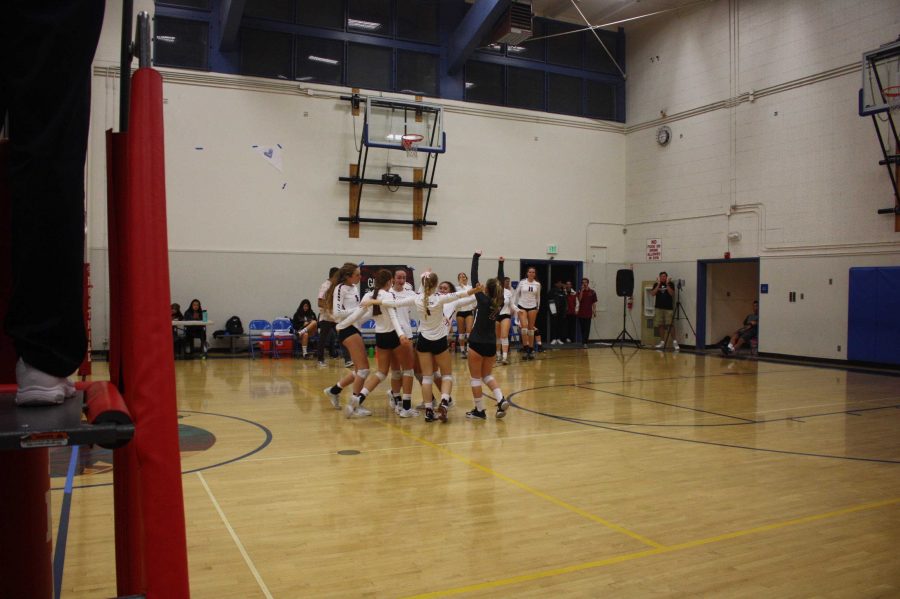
(381, 279)
(429, 284)
(338, 278)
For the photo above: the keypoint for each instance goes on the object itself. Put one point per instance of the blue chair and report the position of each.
(283, 336)
(260, 331)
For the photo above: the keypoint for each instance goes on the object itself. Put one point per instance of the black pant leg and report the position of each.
(585, 324)
(45, 81)
(326, 335)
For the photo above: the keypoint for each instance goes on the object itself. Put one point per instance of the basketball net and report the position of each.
(410, 143)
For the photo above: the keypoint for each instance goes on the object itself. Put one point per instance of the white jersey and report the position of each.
(325, 313)
(403, 314)
(344, 301)
(528, 294)
(386, 322)
(468, 303)
(432, 326)
(507, 301)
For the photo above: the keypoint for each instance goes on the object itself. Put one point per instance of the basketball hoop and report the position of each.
(410, 142)
(892, 96)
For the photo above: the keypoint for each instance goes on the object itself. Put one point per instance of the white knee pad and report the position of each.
(530, 332)
(448, 377)
(426, 380)
(381, 375)
(396, 375)
(462, 336)
(362, 373)
(488, 379)
(476, 383)
(410, 373)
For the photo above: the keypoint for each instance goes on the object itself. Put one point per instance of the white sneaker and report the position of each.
(660, 345)
(568, 340)
(410, 413)
(351, 406)
(675, 346)
(321, 365)
(334, 399)
(361, 411)
(348, 363)
(37, 388)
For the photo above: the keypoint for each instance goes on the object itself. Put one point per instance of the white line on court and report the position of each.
(237, 541)
(419, 445)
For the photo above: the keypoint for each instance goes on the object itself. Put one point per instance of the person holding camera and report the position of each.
(664, 290)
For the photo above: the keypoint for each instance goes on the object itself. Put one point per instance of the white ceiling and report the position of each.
(599, 12)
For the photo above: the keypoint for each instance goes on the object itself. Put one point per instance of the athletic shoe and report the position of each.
(505, 361)
(675, 346)
(476, 414)
(660, 345)
(442, 411)
(392, 401)
(726, 351)
(429, 415)
(334, 399)
(361, 411)
(451, 404)
(348, 363)
(568, 340)
(502, 407)
(351, 406)
(410, 413)
(321, 365)
(464, 354)
(37, 388)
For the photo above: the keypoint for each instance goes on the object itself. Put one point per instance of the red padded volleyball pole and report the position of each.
(151, 547)
(25, 549)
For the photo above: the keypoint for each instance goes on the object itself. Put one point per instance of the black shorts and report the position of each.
(387, 340)
(502, 317)
(463, 313)
(427, 346)
(526, 309)
(348, 332)
(485, 350)
(749, 334)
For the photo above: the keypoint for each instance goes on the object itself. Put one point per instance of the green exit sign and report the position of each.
(553, 249)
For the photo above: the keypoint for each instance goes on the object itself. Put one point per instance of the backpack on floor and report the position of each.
(234, 326)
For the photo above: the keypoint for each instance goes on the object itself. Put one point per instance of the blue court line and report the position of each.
(59, 557)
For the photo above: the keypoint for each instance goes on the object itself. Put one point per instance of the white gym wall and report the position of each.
(800, 186)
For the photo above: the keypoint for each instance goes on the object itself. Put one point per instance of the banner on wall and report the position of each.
(367, 275)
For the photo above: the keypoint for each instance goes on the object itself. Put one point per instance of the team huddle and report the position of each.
(483, 312)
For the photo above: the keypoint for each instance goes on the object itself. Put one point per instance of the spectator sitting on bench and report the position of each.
(304, 322)
(744, 334)
(195, 312)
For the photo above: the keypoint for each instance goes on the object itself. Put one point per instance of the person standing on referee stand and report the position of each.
(664, 291)
(46, 51)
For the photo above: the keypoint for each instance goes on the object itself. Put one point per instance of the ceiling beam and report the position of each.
(477, 22)
(230, 14)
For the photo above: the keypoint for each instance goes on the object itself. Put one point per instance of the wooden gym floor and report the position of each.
(620, 473)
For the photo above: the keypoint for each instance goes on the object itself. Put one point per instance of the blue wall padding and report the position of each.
(873, 327)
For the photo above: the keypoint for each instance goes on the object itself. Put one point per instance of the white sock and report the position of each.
(479, 404)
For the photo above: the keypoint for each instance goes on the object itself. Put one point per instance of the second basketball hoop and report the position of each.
(410, 143)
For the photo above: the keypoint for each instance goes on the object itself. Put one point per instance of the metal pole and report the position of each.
(125, 65)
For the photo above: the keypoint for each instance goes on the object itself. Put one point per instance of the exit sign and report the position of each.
(553, 249)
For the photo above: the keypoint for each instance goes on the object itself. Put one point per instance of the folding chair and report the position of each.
(283, 336)
(260, 331)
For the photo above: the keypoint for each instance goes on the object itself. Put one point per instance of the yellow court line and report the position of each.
(533, 491)
(658, 551)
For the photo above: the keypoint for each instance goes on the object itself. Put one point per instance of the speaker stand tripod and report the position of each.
(625, 337)
(678, 314)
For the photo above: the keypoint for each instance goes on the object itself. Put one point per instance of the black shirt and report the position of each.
(483, 330)
(663, 299)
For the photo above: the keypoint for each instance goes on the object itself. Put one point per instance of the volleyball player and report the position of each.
(389, 336)
(528, 302)
(403, 359)
(481, 359)
(504, 320)
(431, 346)
(464, 314)
(343, 297)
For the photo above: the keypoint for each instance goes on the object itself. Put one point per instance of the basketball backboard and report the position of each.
(387, 121)
(880, 80)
